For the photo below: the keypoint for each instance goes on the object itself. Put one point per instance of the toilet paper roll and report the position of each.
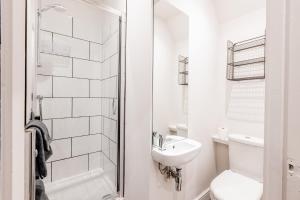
(223, 132)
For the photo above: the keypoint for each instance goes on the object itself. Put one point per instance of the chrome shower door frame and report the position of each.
(33, 26)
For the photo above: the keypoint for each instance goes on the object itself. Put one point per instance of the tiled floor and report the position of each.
(93, 185)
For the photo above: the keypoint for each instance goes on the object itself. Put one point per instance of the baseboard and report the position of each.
(204, 195)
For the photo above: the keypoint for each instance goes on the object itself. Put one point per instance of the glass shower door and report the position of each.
(77, 83)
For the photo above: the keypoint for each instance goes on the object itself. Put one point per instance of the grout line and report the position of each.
(72, 36)
(104, 79)
(52, 42)
(72, 107)
(51, 174)
(111, 36)
(66, 56)
(52, 86)
(88, 161)
(72, 27)
(71, 146)
(103, 116)
(79, 136)
(89, 88)
(81, 155)
(89, 50)
(79, 77)
(60, 34)
(109, 159)
(89, 125)
(52, 131)
(109, 147)
(101, 145)
(72, 67)
(87, 97)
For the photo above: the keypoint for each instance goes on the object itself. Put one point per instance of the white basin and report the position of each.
(176, 151)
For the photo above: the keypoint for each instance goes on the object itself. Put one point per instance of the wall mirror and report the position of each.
(170, 69)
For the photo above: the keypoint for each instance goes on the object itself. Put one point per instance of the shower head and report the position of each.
(57, 7)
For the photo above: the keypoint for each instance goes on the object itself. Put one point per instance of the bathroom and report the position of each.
(150, 99)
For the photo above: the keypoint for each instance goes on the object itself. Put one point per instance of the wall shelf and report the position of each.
(248, 44)
(246, 59)
(248, 62)
(183, 72)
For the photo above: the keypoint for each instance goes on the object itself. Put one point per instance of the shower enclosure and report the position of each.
(77, 94)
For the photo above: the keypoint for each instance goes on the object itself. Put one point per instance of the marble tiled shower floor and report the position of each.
(93, 185)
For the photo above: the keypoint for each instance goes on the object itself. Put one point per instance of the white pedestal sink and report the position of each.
(176, 152)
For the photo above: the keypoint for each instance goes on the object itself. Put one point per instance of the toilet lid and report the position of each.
(233, 186)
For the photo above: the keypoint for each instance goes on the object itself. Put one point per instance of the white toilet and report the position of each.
(244, 179)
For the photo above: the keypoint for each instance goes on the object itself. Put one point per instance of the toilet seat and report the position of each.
(233, 186)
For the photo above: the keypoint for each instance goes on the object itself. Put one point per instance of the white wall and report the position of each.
(168, 96)
(138, 114)
(244, 27)
(202, 94)
(18, 97)
(203, 32)
(276, 68)
(12, 99)
(208, 64)
(292, 102)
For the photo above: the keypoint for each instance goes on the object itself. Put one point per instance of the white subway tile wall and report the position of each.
(55, 65)
(95, 88)
(78, 78)
(62, 149)
(57, 108)
(68, 46)
(86, 107)
(96, 52)
(69, 167)
(49, 171)
(86, 69)
(44, 85)
(96, 124)
(70, 87)
(45, 41)
(95, 160)
(88, 29)
(86, 144)
(57, 22)
(49, 126)
(246, 101)
(105, 145)
(70, 127)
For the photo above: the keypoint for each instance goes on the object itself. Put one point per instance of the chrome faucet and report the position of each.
(160, 141)
(154, 135)
(157, 140)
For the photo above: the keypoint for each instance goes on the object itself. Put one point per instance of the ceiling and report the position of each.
(229, 9)
(165, 10)
(175, 20)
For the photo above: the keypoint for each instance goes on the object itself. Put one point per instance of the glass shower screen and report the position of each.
(77, 85)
